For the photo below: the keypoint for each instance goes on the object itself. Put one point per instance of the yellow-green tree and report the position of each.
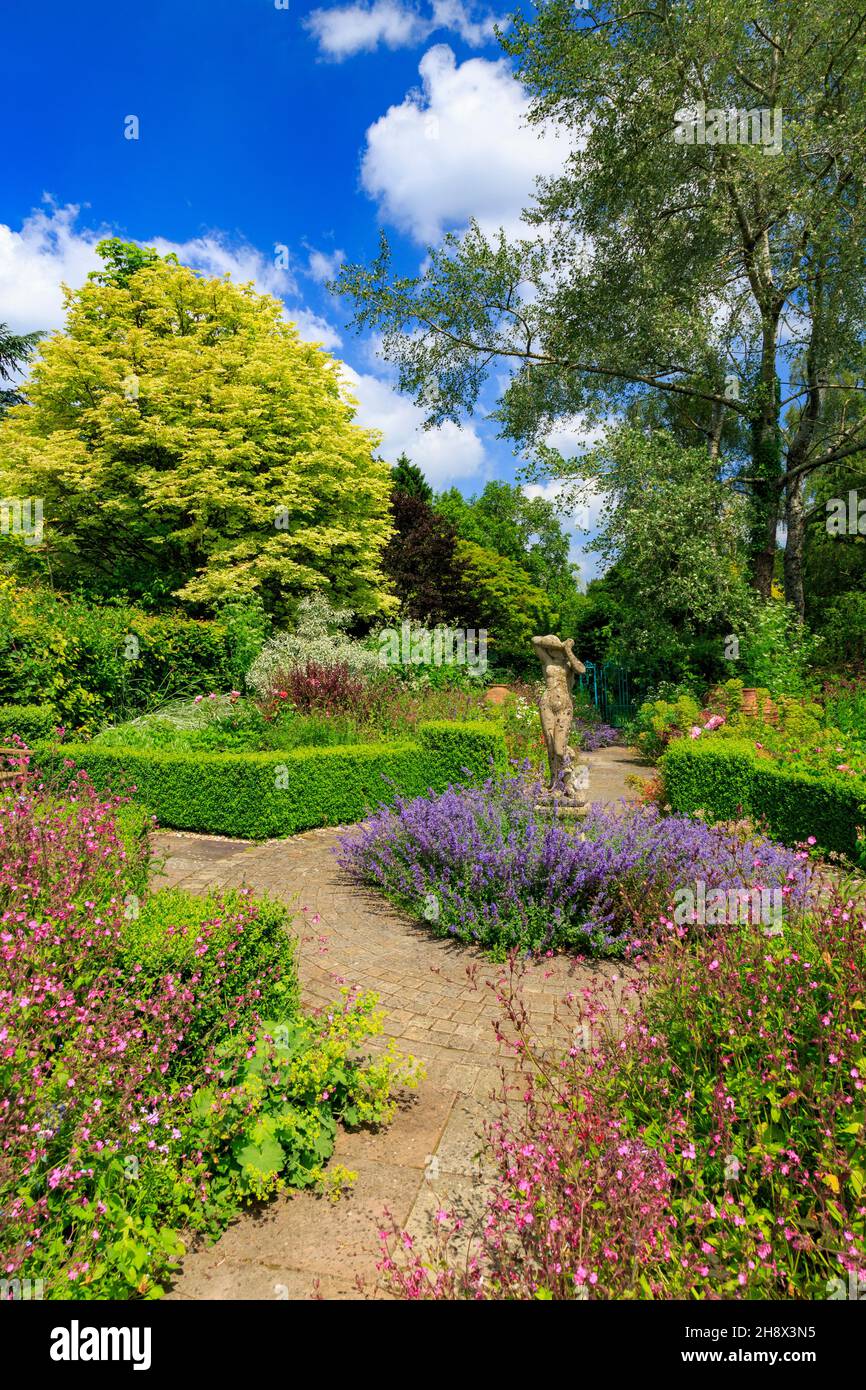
(184, 441)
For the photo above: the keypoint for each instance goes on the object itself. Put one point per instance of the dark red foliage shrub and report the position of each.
(317, 689)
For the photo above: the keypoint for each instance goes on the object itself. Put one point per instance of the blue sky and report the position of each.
(261, 127)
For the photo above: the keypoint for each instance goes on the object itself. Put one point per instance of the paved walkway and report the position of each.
(438, 1007)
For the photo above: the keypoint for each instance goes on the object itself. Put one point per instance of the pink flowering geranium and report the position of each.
(703, 1142)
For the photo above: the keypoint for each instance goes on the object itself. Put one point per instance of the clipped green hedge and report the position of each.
(162, 937)
(725, 778)
(30, 722)
(259, 796)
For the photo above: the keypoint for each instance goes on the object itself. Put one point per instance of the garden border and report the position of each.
(725, 778)
(260, 796)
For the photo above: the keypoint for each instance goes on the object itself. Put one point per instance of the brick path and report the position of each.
(433, 1009)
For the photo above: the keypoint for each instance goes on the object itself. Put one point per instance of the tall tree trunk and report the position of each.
(795, 520)
(766, 460)
(766, 464)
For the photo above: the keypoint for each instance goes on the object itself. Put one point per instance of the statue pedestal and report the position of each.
(561, 806)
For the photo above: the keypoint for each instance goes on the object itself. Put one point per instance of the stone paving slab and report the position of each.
(438, 1006)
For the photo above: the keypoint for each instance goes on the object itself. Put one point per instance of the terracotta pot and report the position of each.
(497, 694)
(769, 712)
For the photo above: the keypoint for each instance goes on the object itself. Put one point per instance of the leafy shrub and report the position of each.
(257, 795)
(844, 703)
(726, 778)
(270, 1118)
(28, 722)
(502, 599)
(326, 689)
(92, 663)
(658, 721)
(248, 945)
(440, 657)
(320, 636)
(144, 1090)
(485, 866)
(843, 628)
(706, 1141)
(776, 648)
(247, 626)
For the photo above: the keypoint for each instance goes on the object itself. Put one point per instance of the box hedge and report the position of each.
(725, 778)
(163, 935)
(30, 722)
(265, 795)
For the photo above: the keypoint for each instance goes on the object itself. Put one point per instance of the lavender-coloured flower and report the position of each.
(504, 875)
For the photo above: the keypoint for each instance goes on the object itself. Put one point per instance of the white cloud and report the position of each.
(344, 30)
(51, 250)
(459, 148)
(214, 254)
(324, 265)
(576, 435)
(314, 329)
(444, 455)
(453, 14)
(35, 260)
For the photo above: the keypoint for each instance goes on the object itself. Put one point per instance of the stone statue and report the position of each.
(568, 776)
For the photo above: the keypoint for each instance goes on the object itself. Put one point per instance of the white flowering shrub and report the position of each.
(320, 635)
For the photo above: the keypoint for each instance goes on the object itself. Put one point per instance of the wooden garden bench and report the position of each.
(8, 774)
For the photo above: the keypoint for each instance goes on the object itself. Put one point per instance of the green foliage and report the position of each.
(680, 586)
(122, 260)
(277, 1123)
(97, 663)
(246, 626)
(243, 729)
(266, 795)
(30, 722)
(776, 649)
(186, 442)
(842, 625)
(724, 779)
(505, 602)
(526, 530)
(407, 477)
(658, 721)
(460, 752)
(845, 707)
